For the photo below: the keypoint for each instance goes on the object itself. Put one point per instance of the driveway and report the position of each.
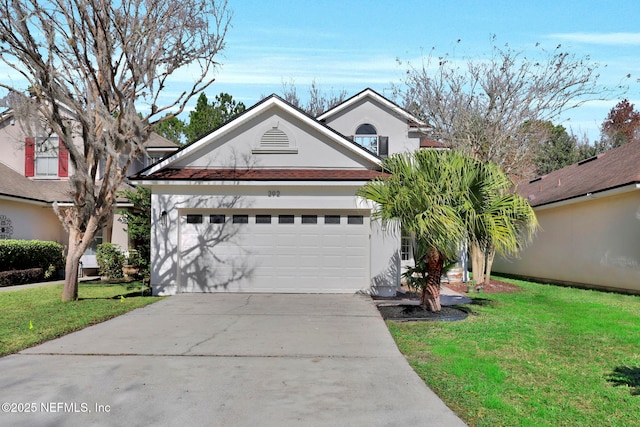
(224, 360)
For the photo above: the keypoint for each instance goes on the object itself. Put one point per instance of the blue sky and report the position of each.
(354, 44)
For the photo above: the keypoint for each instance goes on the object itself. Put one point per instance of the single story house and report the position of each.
(589, 215)
(267, 202)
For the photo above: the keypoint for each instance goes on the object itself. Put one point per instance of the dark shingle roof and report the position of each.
(615, 168)
(265, 174)
(15, 185)
(426, 142)
(157, 141)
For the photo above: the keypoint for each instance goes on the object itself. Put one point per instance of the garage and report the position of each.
(274, 251)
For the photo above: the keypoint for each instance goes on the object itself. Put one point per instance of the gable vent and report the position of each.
(274, 138)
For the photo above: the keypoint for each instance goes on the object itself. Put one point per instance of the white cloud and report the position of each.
(611, 39)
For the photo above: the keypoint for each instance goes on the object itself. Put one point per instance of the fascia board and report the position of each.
(255, 183)
(258, 109)
(370, 93)
(589, 196)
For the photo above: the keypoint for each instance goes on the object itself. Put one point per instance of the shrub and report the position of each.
(110, 260)
(27, 254)
(21, 277)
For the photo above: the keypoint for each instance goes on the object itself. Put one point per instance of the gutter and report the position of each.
(608, 192)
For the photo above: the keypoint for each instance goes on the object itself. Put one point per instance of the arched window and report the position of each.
(367, 136)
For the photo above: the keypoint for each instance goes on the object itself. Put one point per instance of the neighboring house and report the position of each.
(34, 174)
(267, 202)
(589, 215)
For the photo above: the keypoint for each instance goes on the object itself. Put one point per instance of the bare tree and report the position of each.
(485, 107)
(480, 106)
(89, 65)
(318, 101)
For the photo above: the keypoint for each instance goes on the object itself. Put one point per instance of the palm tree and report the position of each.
(442, 198)
(420, 192)
(496, 219)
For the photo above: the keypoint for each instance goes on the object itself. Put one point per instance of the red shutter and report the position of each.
(29, 157)
(63, 160)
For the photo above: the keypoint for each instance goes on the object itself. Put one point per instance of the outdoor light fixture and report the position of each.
(163, 218)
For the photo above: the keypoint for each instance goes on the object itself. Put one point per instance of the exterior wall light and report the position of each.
(163, 218)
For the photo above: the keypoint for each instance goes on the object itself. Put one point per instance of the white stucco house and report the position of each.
(34, 174)
(589, 215)
(267, 202)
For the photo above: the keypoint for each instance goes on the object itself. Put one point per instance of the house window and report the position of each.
(367, 136)
(241, 219)
(194, 219)
(285, 219)
(97, 240)
(309, 219)
(153, 159)
(46, 157)
(406, 248)
(263, 219)
(217, 219)
(332, 219)
(355, 219)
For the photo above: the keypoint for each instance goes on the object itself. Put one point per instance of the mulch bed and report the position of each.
(412, 312)
(494, 287)
(415, 312)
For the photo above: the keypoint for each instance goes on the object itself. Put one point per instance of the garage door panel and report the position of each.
(274, 257)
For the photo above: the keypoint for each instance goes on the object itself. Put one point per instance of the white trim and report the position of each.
(24, 200)
(589, 196)
(369, 93)
(271, 102)
(300, 183)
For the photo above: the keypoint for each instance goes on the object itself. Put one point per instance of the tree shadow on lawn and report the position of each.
(626, 375)
(134, 288)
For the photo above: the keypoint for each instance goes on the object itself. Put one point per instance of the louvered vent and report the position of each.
(274, 138)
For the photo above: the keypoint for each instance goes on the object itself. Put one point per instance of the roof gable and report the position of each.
(375, 97)
(615, 168)
(257, 133)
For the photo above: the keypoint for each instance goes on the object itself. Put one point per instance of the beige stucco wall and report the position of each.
(593, 242)
(33, 221)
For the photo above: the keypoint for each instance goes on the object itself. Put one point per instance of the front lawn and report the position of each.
(32, 316)
(545, 356)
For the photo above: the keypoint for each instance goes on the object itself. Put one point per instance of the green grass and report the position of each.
(546, 356)
(32, 316)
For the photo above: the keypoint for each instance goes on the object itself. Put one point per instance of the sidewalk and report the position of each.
(37, 285)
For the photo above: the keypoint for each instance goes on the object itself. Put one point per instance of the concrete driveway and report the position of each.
(224, 360)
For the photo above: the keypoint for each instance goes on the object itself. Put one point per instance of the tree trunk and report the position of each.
(430, 298)
(72, 265)
(78, 243)
(70, 290)
(477, 263)
(491, 253)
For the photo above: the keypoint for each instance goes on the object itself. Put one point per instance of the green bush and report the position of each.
(27, 254)
(110, 260)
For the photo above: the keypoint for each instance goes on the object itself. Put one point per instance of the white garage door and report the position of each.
(323, 252)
